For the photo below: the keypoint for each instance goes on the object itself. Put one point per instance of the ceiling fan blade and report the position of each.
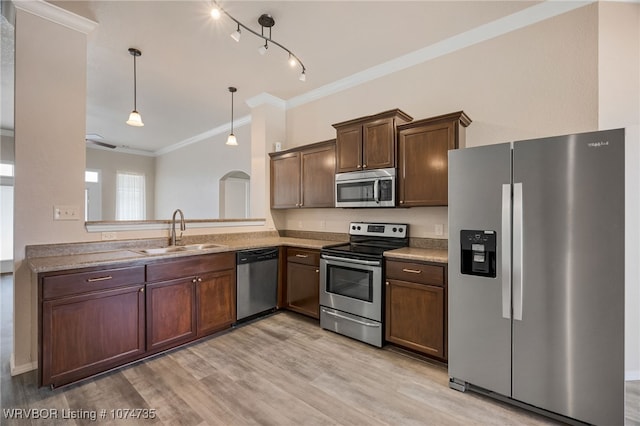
(103, 144)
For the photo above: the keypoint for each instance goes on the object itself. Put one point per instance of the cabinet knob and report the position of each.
(141, 290)
(364, 166)
(193, 280)
(358, 166)
(301, 204)
(401, 202)
(199, 279)
(387, 283)
(317, 270)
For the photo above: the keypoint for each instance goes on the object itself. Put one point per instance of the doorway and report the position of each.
(234, 195)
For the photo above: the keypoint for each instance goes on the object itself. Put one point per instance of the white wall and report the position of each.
(521, 85)
(619, 82)
(50, 93)
(111, 162)
(188, 178)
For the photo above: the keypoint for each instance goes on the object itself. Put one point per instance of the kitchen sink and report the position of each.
(173, 249)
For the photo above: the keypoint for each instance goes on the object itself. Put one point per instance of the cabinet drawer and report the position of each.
(195, 265)
(306, 257)
(84, 282)
(416, 272)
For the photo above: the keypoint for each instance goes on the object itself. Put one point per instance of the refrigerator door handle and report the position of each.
(506, 251)
(518, 273)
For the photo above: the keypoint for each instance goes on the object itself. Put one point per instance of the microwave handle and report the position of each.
(376, 191)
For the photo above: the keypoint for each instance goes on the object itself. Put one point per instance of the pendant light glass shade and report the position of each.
(134, 118)
(231, 140)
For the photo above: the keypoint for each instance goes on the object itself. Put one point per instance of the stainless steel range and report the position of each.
(351, 277)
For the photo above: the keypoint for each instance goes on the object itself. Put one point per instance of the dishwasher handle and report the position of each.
(257, 255)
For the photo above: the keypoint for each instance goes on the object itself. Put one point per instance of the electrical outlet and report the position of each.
(108, 236)
(439, 229)
(66, 213)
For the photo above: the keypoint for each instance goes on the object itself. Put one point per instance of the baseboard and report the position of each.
(20, 369)
(630, 376)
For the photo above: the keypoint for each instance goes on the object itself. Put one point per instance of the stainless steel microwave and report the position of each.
(369, 188)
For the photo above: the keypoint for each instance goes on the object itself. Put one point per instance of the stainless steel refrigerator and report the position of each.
(536, 273)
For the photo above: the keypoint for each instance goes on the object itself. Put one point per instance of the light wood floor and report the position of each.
(280, 370)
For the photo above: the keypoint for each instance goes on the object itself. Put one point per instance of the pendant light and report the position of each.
(231, 140)
(134, 118)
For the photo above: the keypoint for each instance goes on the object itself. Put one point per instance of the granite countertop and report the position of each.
(419, 254)
(113, 258)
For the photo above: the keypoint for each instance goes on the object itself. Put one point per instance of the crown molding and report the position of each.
(504, 25)
(266, 99)
(223, 129)
(56, 14)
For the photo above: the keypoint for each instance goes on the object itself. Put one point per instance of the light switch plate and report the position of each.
(439, 229)
(66, 213)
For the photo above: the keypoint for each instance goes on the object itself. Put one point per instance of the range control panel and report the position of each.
(393, 230)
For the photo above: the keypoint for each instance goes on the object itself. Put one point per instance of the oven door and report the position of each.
(351, 285)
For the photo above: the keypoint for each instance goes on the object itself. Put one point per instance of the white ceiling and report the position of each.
(188, 59)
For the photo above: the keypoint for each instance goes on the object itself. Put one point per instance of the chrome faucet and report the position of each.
(173, 226)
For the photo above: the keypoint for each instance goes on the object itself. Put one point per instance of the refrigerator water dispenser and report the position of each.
(478, 253)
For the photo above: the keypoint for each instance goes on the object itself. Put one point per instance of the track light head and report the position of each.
(263, 49)
(303, 76)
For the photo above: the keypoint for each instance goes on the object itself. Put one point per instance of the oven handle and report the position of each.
(368, 324)
(358, 261)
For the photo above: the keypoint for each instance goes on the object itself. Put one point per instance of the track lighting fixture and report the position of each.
(263, 49)
(266, 21)
(236, 34)
(134, 118)
(231, 140)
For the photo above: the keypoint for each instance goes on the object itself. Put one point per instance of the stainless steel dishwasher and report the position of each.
(257, 282)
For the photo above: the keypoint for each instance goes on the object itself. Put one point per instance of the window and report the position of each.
(6, 169)
(91, 176)
(130, 196)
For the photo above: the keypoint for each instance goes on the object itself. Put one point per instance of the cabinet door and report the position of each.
(415, 316)
(285, 181)
(171, 313)
(216, 301)
(379, 148)
(303, 289)
(84, 335)
(318, 177)
(349, 148)
(423, 164)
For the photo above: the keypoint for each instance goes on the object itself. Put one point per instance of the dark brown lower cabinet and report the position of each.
(92, 320)
(181, 308)
(88, 333)
(171, 313)
(216, 301)
(303, 281)
(415, 316)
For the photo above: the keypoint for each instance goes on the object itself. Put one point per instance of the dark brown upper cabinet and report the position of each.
(423, 148)
(368, 142)
(304, 177)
